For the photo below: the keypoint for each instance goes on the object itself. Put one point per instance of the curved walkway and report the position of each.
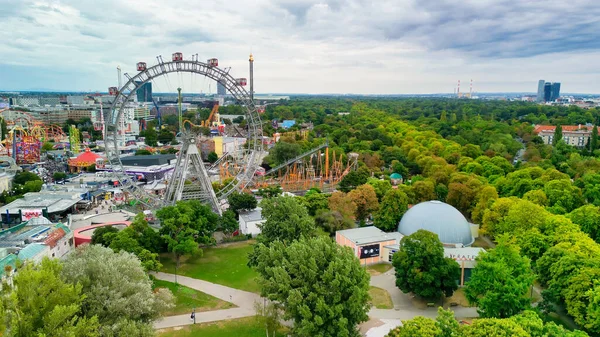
(244, 301)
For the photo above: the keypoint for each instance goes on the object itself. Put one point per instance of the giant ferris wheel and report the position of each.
(189, 179)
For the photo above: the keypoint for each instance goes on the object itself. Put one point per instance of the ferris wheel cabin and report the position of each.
(141, 66)
(213, 62)
(113, 91)
(177, 57)
(240, 81)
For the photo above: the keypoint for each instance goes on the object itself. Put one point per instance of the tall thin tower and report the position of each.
(251, 77)
(180, 113)
(458, 90)
(119, 76)
(471, 89)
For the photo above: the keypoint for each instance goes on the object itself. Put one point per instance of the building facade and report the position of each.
(574, 135)
(250, 222)
(221, 91)
(547, 91)
(144, 93)
(555, 91)
(540, 91)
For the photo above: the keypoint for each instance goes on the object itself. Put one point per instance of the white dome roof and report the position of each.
(440, 218)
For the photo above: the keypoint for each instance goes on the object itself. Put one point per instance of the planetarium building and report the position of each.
(372, 245)
(447, 222)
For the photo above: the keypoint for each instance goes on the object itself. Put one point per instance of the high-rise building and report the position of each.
(540, 92)
(221, 91)
(547, 91)
(144, 93)
(555, 91)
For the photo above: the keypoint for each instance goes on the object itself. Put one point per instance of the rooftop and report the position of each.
(31, 251)
(368, 234)
(55, 202)
(253, 215)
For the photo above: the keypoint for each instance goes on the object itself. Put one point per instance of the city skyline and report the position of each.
(392, 47)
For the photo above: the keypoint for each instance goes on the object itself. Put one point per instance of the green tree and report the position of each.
(421, 267)
(286, 220)
(57, 176)
(41, 303)
(282, 152)
(270, 191)
(150, 137)
(393, 207)
(212, 157)
(588, 219)
(116, 289)
(381, 187)
(47, 147)
(241, 202)
(594, 139)
(185, 225)
(228, 223)
(501, 281)
(320, 284)
(365, 199)
(416, 327)
(100, 238)
(165, 136)
(332, 221)
(142, 152)
(315, 202)
(353, 179)
(557, 135)
(21, 178)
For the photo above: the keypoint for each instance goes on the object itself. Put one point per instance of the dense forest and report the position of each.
(483, 158)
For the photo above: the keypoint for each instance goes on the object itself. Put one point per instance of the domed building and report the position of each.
(440, 218)
(372, 245)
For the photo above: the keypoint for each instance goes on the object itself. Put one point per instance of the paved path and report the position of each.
(243, 299)
(403, 306)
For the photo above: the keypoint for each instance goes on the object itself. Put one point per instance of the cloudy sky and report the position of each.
(307, 46)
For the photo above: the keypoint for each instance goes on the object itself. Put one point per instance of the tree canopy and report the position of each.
(321, 285)
(421, 267)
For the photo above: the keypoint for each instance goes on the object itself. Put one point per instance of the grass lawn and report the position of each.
(187, 298)
(242, 327)
(380, 298)
(224, 265)
(379, 268)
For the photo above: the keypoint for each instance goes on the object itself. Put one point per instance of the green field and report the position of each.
(224, 265)
(380, 298)
(243, 327)
(187, 298)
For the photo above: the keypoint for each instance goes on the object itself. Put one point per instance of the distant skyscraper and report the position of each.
(555, 91)
(144, 93)
(547, 91)
(221, 91)
(540, 92)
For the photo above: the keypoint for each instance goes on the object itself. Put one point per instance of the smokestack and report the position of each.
(458, 89)
(471, 89)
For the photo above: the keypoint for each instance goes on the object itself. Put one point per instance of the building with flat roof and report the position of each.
(574, 135)
(52, 204)
(250, 222)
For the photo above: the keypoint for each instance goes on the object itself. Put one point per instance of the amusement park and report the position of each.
(199, 153)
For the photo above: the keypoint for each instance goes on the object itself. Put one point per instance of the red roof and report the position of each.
(88, 157)
(53, 238)
(551, 128)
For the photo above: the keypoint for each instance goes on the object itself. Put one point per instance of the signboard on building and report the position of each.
(369, 251)
(29, 214)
